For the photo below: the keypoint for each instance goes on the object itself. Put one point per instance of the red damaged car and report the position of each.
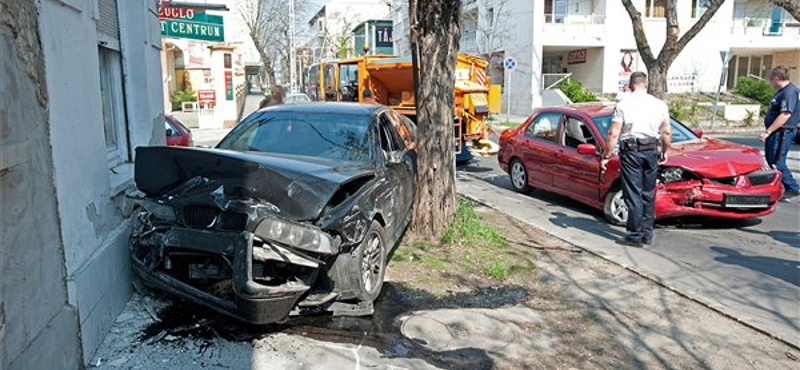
(558, 150)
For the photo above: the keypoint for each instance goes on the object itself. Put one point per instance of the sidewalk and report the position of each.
(729, 295)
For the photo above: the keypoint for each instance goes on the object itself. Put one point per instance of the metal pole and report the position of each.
(292, 82)
(508, 95)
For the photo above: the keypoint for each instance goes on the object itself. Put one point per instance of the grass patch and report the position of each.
(496, 270)
(438, 263)
(467, 228)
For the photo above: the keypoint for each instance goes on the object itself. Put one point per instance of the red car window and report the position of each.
(544, 126)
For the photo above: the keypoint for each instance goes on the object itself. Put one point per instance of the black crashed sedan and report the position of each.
(295, 210)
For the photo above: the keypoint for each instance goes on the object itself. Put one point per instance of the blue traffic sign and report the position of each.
(510, 63)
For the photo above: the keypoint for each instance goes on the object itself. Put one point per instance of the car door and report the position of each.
(539, 148)
(577, 175)
(397, 192)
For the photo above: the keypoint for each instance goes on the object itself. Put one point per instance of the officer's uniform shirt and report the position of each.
(641, 115)
(787, 100)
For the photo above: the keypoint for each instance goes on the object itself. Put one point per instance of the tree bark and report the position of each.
(436, 31)
(674, 43)
(791, 6)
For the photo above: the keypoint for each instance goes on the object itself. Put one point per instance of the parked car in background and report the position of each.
(296, 98)
(296, 209)
(177, 133)
(558, 150)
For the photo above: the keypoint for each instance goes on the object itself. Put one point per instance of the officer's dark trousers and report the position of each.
(776, 149)
(639, 173)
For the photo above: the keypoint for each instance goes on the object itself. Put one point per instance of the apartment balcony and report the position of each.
(764, 32)
(578, 29)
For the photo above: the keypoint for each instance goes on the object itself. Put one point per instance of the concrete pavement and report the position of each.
(749, 270)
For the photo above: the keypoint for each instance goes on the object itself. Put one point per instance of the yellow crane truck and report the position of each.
(388, 80)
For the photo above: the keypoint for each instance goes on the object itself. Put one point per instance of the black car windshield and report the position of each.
(330, 136)
(679, 131)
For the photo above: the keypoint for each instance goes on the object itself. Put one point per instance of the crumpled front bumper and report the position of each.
(706, 198)
(250, 302)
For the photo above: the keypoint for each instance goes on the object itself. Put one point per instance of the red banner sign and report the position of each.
(576, 56)
(206, 96)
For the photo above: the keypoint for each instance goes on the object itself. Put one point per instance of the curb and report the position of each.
(658, 281)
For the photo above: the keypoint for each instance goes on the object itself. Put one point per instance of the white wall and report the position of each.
(90, 196)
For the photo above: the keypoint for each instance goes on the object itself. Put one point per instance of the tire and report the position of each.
(518, 175)
(370, 266)
(614, 208)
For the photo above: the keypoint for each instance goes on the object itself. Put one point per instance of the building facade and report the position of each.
(592, 41)
(83, 79)
(330, 30)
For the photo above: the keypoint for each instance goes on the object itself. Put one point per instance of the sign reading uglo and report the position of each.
(191, 24)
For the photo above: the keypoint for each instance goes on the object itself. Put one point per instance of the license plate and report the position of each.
(745, 201)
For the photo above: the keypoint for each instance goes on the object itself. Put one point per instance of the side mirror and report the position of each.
(170, 132)
(395, 157)
(587, 149)
(699, 133)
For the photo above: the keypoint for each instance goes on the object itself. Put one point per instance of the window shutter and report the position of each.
(108, 19)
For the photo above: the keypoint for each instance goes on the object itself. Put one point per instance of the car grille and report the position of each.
(761, 177)
(204, 217)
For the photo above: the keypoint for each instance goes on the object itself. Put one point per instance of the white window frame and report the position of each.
(113, 106)
(649, 6)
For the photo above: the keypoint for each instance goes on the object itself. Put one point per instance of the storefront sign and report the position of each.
(169, 12)
(576, 56)
(206, 96)
(198, 26)
(228, 85)
(383, 37)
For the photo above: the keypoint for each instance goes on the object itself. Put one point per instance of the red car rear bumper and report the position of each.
(706, 198)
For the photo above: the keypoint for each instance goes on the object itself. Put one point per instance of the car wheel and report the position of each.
(519, 176)
(371, 263)
(615, 209)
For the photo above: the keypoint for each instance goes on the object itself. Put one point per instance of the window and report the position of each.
(680, 132)
(348, 82)
(577, 132)
(699, 7)
(389, 140)
(655, 8)
(114, 124)
(338, 137)
(406, 129)
(544, 126)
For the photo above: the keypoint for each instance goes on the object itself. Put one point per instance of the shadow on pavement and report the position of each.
(380, 331)
(786, 270)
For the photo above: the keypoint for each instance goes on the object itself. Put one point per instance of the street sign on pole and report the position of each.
(510, 64)
(725, 56)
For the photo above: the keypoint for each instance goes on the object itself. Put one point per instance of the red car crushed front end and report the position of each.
(717, 179)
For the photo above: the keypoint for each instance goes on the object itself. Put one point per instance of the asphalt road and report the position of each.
(748, 269)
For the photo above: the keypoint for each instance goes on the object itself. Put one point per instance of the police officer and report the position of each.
(638, 122)
(783, 116)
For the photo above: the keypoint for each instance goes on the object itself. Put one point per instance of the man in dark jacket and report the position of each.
(783, 116)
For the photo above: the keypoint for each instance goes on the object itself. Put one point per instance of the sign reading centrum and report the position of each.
(192, 24)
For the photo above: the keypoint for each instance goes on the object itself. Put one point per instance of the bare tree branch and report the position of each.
(791, 6)
(638, 33)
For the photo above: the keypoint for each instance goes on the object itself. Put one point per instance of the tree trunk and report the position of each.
(435, 30)
(657, 77)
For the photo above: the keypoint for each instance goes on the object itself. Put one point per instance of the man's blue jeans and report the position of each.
(776, 148)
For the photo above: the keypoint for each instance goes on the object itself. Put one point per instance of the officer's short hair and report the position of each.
(638, 78)
(781, 72)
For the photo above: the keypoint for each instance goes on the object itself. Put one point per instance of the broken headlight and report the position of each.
(295, 235)
(671, 174)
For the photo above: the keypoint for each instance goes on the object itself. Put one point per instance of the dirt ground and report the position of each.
(524, 300)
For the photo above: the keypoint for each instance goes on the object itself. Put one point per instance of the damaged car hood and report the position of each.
(712, 158)
(298, 187)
